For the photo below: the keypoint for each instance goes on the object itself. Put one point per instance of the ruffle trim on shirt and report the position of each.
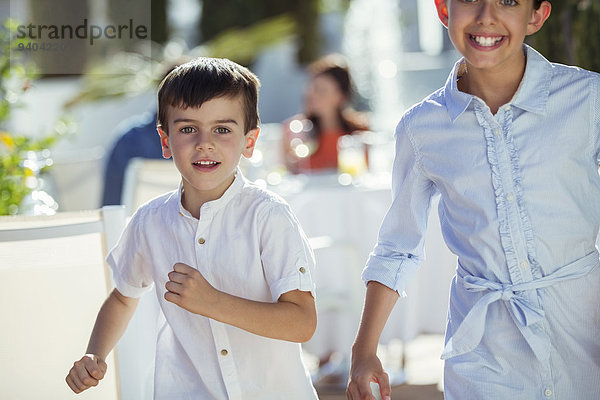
(500, 196)
(526, 226)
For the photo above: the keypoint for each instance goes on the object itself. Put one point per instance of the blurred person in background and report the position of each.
(310, 138)
(137, 137)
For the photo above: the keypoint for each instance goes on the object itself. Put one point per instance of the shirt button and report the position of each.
(302, 270)
(548, 392)
(510, 197)
(524, 264)
(224, 352)
(497, 132)
(201, 241)
(507, 108)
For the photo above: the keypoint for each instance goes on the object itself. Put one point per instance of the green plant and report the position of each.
(572, 34)
(17, 176)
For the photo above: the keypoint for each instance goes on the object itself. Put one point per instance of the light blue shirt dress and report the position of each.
(520, 206)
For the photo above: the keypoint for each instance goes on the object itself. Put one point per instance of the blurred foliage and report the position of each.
(129, 74)
(238, 14)
(16, 77)
(238, 29)
(572, 34)
(122, 74)
(243, 44)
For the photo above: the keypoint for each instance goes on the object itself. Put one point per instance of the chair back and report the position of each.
(53, 280)
(147, 178)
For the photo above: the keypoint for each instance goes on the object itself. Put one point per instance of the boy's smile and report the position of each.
(206, 144)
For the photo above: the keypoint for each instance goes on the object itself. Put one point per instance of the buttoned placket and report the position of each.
(224, 353)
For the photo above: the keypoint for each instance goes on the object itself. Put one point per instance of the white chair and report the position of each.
(144, 179)
(53, 282)
(147, 178)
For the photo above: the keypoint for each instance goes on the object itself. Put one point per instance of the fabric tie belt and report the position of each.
(525, 314)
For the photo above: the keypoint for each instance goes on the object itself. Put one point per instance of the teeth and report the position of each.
(206, 163)
(486, 41)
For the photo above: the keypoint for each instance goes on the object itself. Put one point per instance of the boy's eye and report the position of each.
(187, 129)
(509, 2)
(222, 130)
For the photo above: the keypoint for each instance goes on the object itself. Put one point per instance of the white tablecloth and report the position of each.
(345, 220)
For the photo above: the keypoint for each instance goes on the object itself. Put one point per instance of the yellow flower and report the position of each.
(7, 140)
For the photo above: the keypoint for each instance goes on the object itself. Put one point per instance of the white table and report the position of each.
(349, 217)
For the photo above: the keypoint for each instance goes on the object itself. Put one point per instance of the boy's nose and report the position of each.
(204, 141)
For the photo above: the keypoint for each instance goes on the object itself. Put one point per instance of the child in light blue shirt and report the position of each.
(511, 144)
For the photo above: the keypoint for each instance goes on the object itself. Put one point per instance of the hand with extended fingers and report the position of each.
(188, 289)
(86, 372)
(366, 369)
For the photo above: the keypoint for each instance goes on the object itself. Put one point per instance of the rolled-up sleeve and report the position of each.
(286, 255)
(399, 249)
(132, 273)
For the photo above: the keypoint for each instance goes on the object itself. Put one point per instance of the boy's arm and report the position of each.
(113, 317)
(293, 317)
(366, 366)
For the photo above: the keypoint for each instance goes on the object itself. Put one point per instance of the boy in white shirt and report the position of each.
(230, 262)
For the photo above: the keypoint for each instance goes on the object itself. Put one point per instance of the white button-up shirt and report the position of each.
(520, 206)
(247, 243)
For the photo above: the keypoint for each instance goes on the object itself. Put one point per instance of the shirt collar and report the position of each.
(531, 96)
(533, 92)
(213, 206)
(456, 101)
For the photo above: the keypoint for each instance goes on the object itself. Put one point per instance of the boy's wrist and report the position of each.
(218, 305)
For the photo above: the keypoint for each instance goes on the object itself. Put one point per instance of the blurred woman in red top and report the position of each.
(310, 138)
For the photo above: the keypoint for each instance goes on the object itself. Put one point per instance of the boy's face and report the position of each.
(490, 33)
(206, 144)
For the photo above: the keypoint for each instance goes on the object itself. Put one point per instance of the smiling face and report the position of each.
(206, 143)
(490, 33)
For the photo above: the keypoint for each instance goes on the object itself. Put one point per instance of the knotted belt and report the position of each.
(523, 312)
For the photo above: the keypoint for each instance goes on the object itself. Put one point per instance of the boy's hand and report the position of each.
(86, 372)
(188, 289)
(364, 370)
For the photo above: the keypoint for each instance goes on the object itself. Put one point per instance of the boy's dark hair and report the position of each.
(538, 3)
(203, 79)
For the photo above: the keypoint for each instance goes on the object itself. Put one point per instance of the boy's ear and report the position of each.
(538, 18)
(251, 138)
(164, 142)
(442, 10)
